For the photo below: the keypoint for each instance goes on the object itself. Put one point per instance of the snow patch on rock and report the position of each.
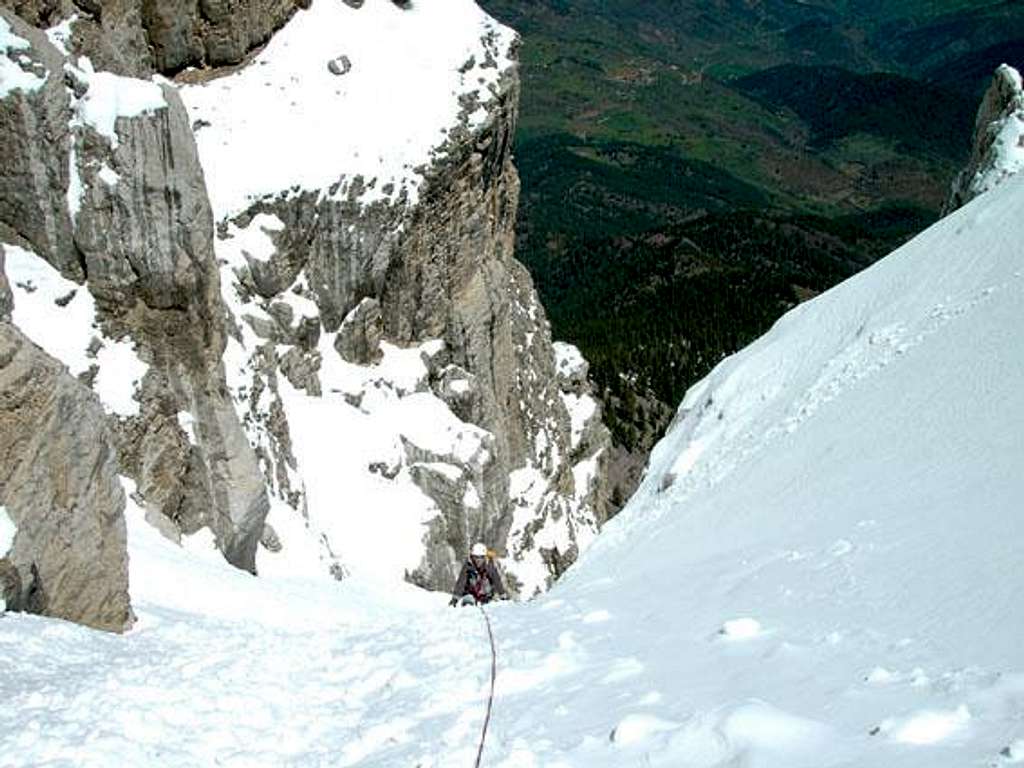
(15, 72)
(582, 409)
(569, 361)
(109, 97)
(381, 121)
(60, 316)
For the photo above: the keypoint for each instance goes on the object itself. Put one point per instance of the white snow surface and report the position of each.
(856, 492)
(381, 120)
(60, 316)
(7, 531)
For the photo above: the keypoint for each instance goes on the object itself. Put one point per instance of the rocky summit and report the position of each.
(998, 151)
(274, 299)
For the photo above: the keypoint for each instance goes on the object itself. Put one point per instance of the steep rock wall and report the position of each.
(139, 37)
(106, 187)
(59, 485)
(345, 338)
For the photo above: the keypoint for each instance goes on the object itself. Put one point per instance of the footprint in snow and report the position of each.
(636, 729)
(880, 676)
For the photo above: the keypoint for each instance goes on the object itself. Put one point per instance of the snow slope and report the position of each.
(822, 568)
(400, 93)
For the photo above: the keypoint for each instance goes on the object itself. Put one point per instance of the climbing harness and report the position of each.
(479, 585)
(490, 698)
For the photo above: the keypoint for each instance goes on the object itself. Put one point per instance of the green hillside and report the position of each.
(690, 170)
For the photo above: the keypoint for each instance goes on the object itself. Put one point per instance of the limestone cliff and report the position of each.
(291, 284)
(376, 288)
(137, 37)
(59, 485)
(110, 256)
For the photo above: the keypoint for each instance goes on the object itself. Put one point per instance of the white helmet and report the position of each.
(478, 550)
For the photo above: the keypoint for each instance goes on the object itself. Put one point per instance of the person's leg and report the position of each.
(467, 600)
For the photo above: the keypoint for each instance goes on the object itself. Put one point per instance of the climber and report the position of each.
(479, 581)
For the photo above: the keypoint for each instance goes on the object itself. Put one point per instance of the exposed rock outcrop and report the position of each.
(139, 37)
(149, 260)
(107, 188)
(35, 114)
(211, 32)
(59, 485)
(998, 150)
(360, 333)
(363, 358)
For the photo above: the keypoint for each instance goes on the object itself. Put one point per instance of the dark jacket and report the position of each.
(483, 583)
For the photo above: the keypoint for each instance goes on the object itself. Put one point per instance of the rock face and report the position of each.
(998, 150)
(212, 32)
(355, 352)
(138, 37)
(35, 115)
(59, 485)
(106, 187)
